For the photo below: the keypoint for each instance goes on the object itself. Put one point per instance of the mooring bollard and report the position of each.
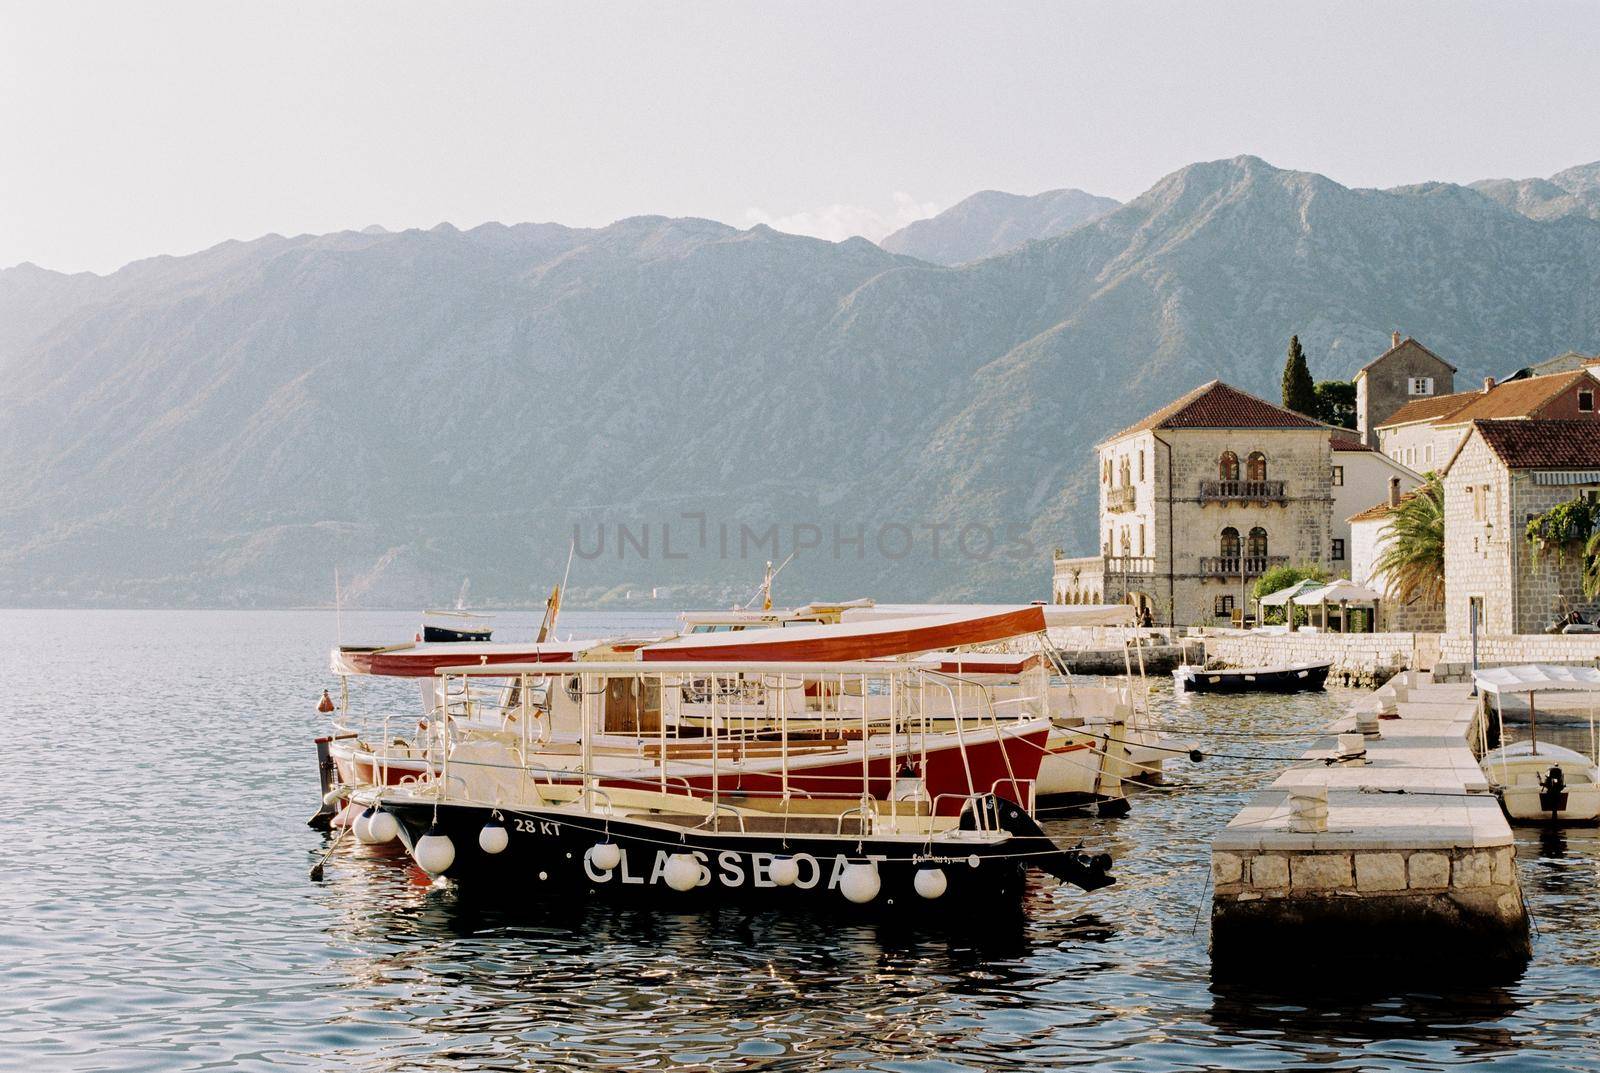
(1308, 809)
(1352, 750)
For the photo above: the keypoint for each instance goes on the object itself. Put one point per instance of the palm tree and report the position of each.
(1413, 557)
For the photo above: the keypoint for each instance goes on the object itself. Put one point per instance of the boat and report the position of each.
(1279, 678)
(456, 626)
(1080, 763)
(1538, 782)
(878, 822)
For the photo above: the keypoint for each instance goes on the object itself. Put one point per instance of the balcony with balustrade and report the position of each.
(1217, 491)
(1230, 565)
(1121, 499)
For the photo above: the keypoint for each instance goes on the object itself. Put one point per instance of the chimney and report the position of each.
(1488, 384)
(1394, 491)
(1394, 340)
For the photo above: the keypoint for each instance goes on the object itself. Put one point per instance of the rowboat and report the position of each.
(1280, 678)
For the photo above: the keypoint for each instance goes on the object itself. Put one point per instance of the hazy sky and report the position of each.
(131, 129)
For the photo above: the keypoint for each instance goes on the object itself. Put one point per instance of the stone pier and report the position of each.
(1416, 860)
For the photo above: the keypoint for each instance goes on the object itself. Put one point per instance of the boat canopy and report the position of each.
(1539, 678)
(1054, 614)
(856, 640)
(424, 659)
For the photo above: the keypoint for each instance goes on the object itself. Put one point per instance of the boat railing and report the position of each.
(1027, 792)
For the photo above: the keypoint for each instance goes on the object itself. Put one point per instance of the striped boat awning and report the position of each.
(1566, 476)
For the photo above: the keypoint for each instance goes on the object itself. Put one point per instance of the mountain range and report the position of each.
(992, 222)
(419, 407)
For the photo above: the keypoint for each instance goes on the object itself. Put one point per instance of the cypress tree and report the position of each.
(1299, 390)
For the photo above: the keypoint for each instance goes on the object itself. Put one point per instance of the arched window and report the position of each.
(1127, 472)
(1127, 545)
(1229, 545)
(1258, 543)
(1255, 467)
(1228, 466)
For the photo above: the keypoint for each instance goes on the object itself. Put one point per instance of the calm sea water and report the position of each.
(156, 913)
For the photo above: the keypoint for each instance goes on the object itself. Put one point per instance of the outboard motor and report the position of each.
(1090, 871)
(1553, 790)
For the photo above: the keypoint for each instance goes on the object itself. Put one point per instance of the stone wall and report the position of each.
(1358, 658)
(1546, 584)
(1487, 875)
(1383, 387)
(1489, 557)
(1509, 651)
(1479, 553)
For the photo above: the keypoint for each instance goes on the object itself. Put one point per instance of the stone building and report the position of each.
(1198, 500)
(1404, 373)
(1422, 434)
(1369, 539)
(1503, 474)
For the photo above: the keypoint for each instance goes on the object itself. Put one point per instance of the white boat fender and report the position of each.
(382, 827)
(785, 871)
(362, 827)
(860, 882)
(494, 838)
(682, 872)
(333, 797)
(930, 882)
(605, 855)
(434, 852)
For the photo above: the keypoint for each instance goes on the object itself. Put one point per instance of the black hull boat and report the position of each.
(1284, 678)
(555, 851)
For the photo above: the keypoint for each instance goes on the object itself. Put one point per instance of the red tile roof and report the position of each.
(1430, 408)
(1542, 444)
(1347, 443)
(1517, 398)
(1382, 510)
(1219, 405)
(1511, 398)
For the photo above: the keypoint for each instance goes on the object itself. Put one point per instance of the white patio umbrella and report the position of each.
(1285, 598)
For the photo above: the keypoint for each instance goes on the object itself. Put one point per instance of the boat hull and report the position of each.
(1295, 678)
(547, 857)
(1521, 774)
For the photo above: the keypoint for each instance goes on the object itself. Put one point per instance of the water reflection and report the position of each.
(165, 920)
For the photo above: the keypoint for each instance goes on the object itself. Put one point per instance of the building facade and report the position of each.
(1404, 373)
(1360, 478)
(1422, 434)
(1369, 539)
(1198, 500)
(1503, 474)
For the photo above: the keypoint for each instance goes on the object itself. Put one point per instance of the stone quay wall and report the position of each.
(1413, 852)
(1359, 659)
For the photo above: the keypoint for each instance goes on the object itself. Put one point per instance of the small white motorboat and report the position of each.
(1544, 783)
(1539, 782)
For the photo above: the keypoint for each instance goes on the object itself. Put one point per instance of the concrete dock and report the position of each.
(1416, 855)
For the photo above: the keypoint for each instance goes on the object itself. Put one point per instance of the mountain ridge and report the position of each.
(418, 406)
